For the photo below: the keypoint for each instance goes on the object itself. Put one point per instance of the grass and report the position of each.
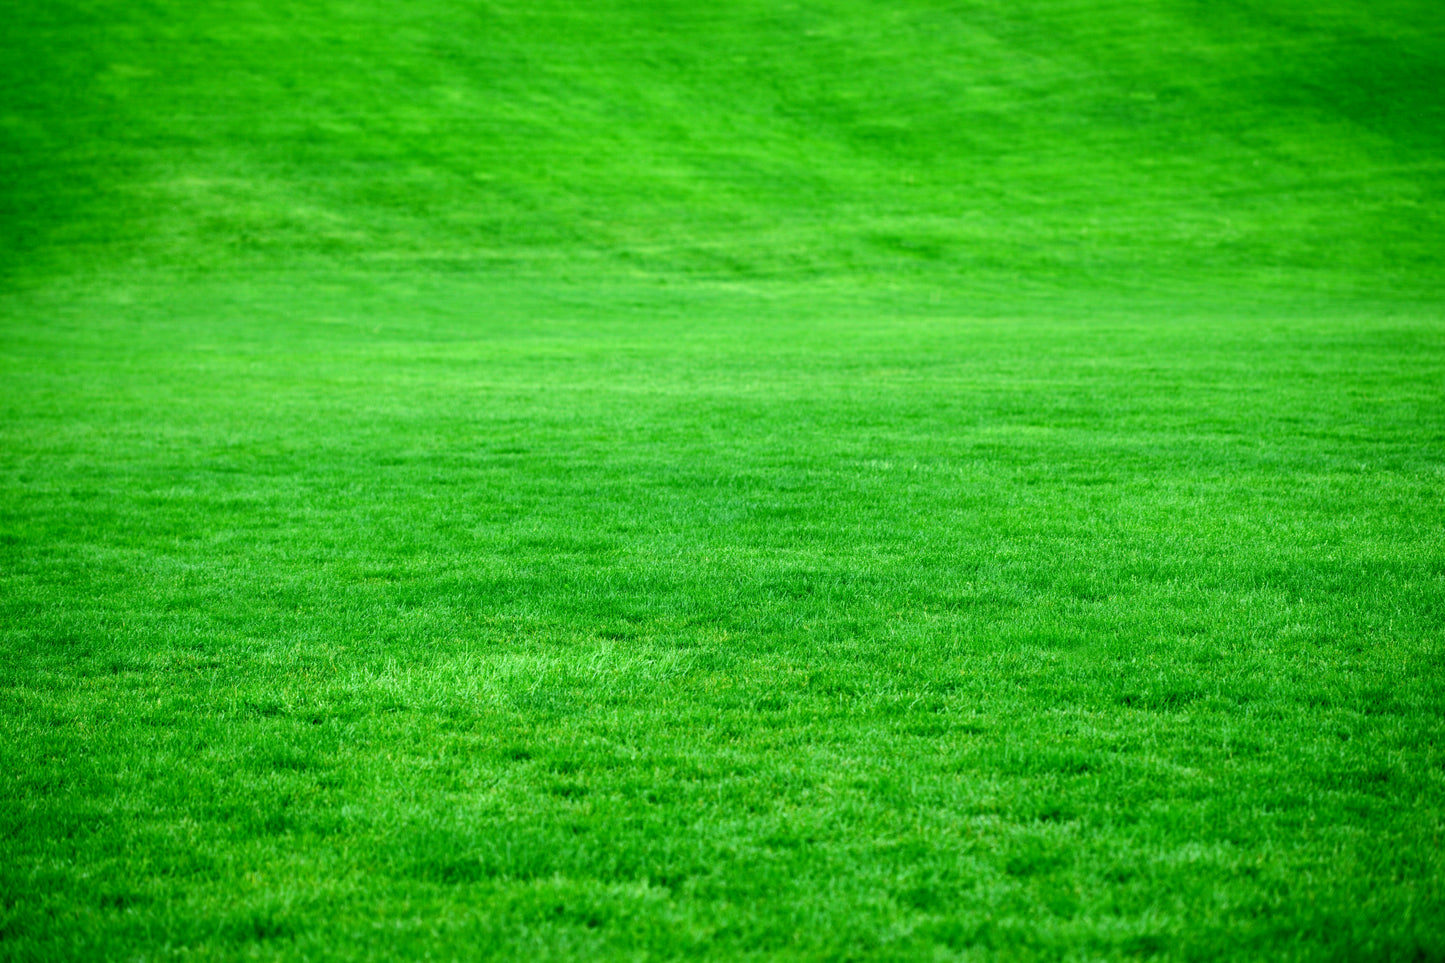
(803, 482)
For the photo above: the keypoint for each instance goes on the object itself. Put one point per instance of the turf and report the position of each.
(799, 481)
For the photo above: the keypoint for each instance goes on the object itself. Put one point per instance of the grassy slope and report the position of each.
(1086, 142)
(797, 480)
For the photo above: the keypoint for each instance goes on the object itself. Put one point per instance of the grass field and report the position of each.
(817, 480)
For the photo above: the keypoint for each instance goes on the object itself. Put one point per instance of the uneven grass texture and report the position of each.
(774, 481)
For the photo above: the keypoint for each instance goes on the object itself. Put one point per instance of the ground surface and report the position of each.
(807, 481)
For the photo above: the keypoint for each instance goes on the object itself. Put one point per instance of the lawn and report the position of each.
(780, 481)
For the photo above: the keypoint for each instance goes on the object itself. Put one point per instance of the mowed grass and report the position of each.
(804, 482)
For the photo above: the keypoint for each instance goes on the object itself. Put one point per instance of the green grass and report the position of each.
(814, 481)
